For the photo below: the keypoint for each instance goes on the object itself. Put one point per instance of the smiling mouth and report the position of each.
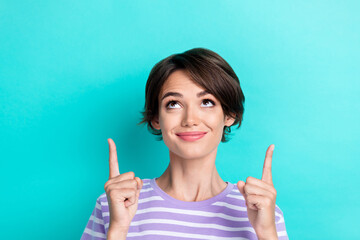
(191, 136)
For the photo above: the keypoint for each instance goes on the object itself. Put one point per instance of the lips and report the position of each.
(191, 136)
(190, 133)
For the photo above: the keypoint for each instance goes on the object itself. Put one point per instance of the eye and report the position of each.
(208, 103)
(172, 104)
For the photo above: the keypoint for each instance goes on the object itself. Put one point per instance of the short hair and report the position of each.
(206, 69)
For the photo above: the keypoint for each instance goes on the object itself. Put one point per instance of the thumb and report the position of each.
(139, 186)
(241, 185)
(139, 183)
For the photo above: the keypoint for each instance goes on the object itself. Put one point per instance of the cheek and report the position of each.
(216, 122)
(167, 123)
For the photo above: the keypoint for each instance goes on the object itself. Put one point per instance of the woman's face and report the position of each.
(191, 120)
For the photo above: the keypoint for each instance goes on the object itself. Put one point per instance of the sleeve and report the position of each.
(280, 224)
(95, 228)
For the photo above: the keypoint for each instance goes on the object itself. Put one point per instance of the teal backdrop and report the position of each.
(73, 73)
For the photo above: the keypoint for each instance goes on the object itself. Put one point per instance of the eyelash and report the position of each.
(204, 100)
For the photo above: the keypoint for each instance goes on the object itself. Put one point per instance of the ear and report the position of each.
(229, 121)
(155, 123)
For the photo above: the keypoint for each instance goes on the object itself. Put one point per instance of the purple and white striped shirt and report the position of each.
(160, 216)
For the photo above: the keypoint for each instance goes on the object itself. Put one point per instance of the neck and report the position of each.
(191, 179)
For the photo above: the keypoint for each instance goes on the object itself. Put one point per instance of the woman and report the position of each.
(192, 100)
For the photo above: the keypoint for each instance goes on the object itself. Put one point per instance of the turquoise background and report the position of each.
(73, 73)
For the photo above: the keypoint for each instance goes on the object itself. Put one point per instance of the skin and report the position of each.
(260, 198)
(122, 191)
(191, 174)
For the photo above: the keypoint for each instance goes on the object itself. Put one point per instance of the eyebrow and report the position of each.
(176, 94)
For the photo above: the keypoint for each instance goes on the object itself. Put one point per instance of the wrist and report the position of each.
(269, 238)
(115, 233)
(269, 235)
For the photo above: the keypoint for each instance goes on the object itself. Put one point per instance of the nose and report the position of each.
(190, 118)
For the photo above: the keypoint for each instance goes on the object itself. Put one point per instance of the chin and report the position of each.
(190, 150)
(195, 152)
(190, 155)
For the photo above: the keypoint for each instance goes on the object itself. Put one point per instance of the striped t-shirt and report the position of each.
(160, 216)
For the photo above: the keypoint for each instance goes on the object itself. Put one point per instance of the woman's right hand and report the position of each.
(122, 192)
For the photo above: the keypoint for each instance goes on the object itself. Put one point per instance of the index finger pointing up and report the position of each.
(113, 161)
(266, 175)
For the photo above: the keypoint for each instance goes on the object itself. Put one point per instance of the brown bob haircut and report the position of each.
(206, 69)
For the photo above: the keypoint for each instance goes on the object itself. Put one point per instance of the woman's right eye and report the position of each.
(172, 104)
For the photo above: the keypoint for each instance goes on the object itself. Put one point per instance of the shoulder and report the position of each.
(102, 199)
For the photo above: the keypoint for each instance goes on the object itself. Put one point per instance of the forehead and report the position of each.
(179, 80)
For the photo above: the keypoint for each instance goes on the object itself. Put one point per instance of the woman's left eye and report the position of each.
(208, 103)
(205, 103)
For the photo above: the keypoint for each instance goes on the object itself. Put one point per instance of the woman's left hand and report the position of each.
(260, 197)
